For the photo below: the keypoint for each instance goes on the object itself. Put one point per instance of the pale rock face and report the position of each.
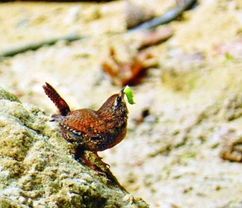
(38, 170)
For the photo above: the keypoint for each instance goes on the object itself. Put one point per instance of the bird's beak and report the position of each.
(121, 93)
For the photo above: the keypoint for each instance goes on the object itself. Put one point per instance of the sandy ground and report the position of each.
(172, 157)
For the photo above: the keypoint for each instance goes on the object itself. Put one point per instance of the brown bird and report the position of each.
(89, 129)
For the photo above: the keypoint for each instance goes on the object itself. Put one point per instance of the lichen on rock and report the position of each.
(37, 168)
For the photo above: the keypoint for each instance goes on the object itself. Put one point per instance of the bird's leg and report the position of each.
(91, 159)
(100, 158)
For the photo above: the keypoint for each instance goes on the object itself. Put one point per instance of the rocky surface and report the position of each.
(38, 170)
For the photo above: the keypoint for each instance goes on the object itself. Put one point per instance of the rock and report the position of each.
(37, 168)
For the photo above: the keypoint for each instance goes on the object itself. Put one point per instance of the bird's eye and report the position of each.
(118, 101)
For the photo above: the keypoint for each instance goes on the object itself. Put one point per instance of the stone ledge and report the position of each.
(38, 170)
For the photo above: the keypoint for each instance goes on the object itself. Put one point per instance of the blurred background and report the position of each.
(183, 143)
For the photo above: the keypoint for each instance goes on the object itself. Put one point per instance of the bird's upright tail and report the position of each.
(59, 102)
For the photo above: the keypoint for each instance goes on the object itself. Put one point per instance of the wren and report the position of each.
(89, 129)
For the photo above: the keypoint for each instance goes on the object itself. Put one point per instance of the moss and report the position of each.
(7, 95)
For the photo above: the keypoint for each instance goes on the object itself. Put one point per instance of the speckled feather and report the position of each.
(93, 130)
